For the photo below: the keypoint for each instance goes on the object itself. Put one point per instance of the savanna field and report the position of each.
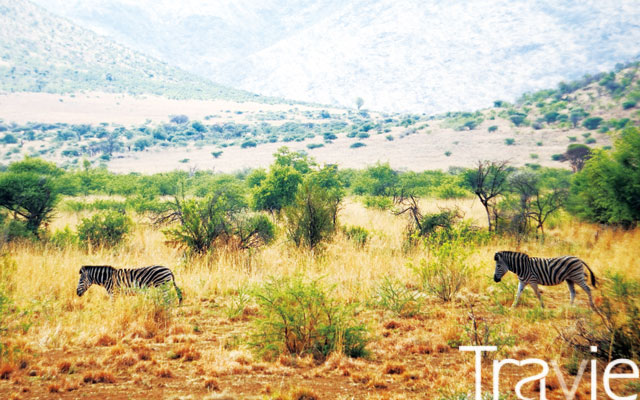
(253, 322)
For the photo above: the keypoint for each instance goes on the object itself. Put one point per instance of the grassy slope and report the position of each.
(40, 52)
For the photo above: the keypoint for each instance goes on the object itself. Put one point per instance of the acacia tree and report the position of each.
(488, 182)
(576, 154)
(538, 199)
(29, 190)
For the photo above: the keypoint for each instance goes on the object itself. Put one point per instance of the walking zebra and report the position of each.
(113, 278)
(544, 271)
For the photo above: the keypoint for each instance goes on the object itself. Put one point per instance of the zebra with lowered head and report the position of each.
(113, 278)
(536, 271)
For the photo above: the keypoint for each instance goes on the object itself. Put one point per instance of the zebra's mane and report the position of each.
(94, 267)
(510, 253)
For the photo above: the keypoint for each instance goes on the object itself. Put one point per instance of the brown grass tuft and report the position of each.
(99, 377)
(164, 373)
(54, 387)
(126, 361)
(303, 394)
(391, 368)
(64, 367)
(6, 370)
(212, 385)
(186, 353)
(392, 325)
(106, 340)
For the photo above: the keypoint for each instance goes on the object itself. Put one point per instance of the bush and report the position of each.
(107, 229)
(310, 219)
(357, 144)
(378, 202)
(15, 230)
(616, 332)
(248, 143)
(451, 191)
(592, 123)
(219, 220)
(357, 234)
(629, 104)
(396, 297)
(63, 238)
(9, 139)
(492, 128)
(302, 317)
(446, 271)
(509, 141)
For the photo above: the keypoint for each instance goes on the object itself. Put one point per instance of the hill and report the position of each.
(40, 52)
(408, 55)
(132, 134)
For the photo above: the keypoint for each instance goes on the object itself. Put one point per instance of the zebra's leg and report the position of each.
(584, 287)
(534, 286)
(521, 287)
(572, 290)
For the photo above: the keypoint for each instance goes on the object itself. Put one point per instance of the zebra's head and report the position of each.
(84, 282)
(501, 267)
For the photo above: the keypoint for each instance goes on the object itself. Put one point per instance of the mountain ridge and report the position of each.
(404, 55)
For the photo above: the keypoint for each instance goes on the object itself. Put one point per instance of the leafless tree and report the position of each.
(488, 182)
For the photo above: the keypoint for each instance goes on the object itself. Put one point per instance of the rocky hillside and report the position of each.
(398, 55)
(41, 52)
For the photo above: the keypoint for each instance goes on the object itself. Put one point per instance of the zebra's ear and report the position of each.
(495, 257)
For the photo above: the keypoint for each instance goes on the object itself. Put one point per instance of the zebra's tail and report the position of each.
(178, 291)
(593, 277)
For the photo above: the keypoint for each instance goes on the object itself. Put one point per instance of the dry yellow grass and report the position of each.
(196, 348)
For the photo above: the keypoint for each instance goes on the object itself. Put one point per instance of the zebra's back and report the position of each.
(554, 271)
(154, 275)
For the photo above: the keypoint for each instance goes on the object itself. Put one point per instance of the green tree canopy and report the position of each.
(607, 190)
(29, 190)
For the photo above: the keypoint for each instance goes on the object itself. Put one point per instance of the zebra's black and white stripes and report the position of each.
(113, 278)
(536, 271)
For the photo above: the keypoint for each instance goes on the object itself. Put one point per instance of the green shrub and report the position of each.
(216, 154)
(64, 238)
(378, 202)
(616, 332)
(557, 157)
(572, 138)
(492, 128)
(396, 297)
(106, 229)
(629, 104)
(311, 218)
(12, 230)
(447, 153)
(389, 138)
(312, 146)
(509, 141)
(451, 191)
(446, 270)
(590, 141)
(248, 143)
(220, 219)
(357, 234)
(357, 144)
(301, 317)
(592, 123)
